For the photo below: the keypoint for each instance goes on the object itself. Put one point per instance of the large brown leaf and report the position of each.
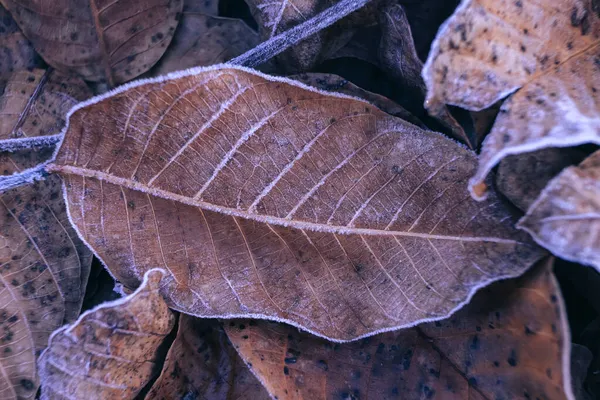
(548, 51)
(264, 198)
(43, 273)
(110, 351)
(511, 342)
(205, 40)
(114, 41)
(565, 218)
(202, 364)
(34, 104)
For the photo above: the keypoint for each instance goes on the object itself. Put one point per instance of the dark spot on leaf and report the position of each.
(474, 343)
(323, 365)
(512, 359)
(528, 331)
(27, 384)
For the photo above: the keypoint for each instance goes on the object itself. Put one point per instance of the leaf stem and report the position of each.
(30, 175)
(28, 143)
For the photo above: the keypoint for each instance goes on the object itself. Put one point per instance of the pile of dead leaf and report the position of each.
(329, 224)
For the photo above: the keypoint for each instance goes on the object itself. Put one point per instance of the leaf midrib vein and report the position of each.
(313, 226)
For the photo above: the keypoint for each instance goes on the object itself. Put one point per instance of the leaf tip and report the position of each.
(478, 190)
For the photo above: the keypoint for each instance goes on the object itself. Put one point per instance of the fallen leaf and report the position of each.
(512, 341)
(17, 52)
(546, 51)
(425, 17)
(581, 358)
(205, 40)
(522, 177)
(398, 57)
(589, 338)
(206, 7)
(484, 120)
(335, 83)
(34, 104)
(111, 41)
(275, 17)
(264, 198)
(43, 273)
(565, 218)
(109, 351)
(202, 364)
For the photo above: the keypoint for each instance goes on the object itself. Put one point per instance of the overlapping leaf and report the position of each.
(335, 83)
(565, 218)
(202, 364)
(548, 51)
(16, 53)
(398, 56)
(205, 40)
(43, 272)
(110, 351)
(522, 177)
(263, 198)
(275, 17)
(34, 104)
(113, 41)
(511, 342)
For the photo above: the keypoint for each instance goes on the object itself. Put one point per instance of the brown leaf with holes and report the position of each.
(549, 52)
(111, 350)
(522, 177)
(264, 198)
(202, 364)
(335, 83)
(17, 52)
(100, 40)
(398, 57)
(565, 218)
(43, 273)
(512, 341)
(205, 40)
(34, 104)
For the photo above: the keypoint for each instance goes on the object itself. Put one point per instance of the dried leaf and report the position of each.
(263, 198)
(113, 41)
(398, 57)
(275, 17)
(206, 7)
(204, 40)
(522, 177)
(512, 341)
(34, 104)
(484, 120)
(335, 83)
(44, 270)
(581, 358)
(548, 51)
(425, 17)
(202, 364)
(17, 53)
(109, 351)
(565, 218)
